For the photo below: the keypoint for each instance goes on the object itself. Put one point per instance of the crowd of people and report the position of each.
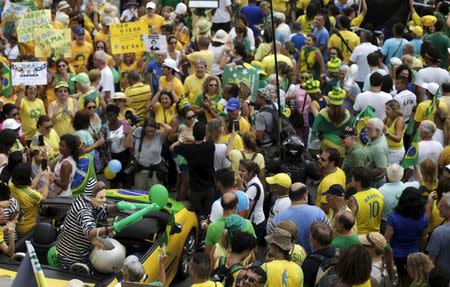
(331, 167)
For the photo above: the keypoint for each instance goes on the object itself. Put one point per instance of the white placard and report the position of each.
(155, 43)
(212, 4)
(29, 73)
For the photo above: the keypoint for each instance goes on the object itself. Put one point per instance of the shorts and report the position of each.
(201, 202)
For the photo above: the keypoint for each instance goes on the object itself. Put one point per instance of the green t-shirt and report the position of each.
(441, 43)
(215, 231)
(355, 157)
(344, 242)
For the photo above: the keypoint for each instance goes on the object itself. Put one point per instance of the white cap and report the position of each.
(10, 124)
(171, 64)
(150, 5)
(107, 21)
(62, 5)
(180, 9)
(395, 61)
(118, 95)
(433, 88)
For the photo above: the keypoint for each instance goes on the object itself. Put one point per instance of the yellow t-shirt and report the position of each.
(235, 144)
(422, 109)
(435, 218)
(370, 209)
(205, 55)
(138, 97)
(153, 23)
(80, 56)
(29, 112)
(307, 59)
(51, 143)
(336, 177)
(62, 124)
(356, 22)
(29, 200)
(308, 25)
(280, 5)
(298, 254)
(282, 273)
(124, 69)
(244, 125)
(175, 85)
(193, 86)
(208, 283)
(163, 115)
(236, 155)
(352, 41)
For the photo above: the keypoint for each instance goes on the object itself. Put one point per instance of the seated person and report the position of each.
(133, 271)
(10, 229)
(79, 231)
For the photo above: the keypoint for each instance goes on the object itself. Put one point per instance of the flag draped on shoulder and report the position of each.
(411, 157)
(30, 266)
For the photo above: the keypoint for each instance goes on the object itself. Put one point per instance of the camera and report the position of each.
(132, 117)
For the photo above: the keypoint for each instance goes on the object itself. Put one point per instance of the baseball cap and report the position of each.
(433, 88)
(233, 104)
(170, 63)
(282, 179)
(81, 78)
(235, 222)
(150, 5)
(61, 84)
(281, 238)
(79, 31)
(348, 131)
(335, 189)
(107, 21)
(10, 124)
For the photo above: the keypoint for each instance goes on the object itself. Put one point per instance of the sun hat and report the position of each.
(312, 86)
(282, 238)
(336, 96)
(150, 5)
(180, 9)
(204, 26)
(220, 36)
(62, 5)
(433, 88)
(429, 20)
(11, 124)
(282, 179)
(118, 96)
(107, 21)
(81, 78)
(61, 84)
(333, 64)
(335, 189)
(170, 63)
(373, 239)
(416, 30)
(109, 10)
(233, 104)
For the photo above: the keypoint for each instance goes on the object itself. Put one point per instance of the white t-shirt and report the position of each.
(382, 72)
(250, 37)
(106, 83)
(359, 57)
(258, 213)
(439, 136)
(408, 101)
(217, 209)
(432, 75)
(221, 15)
(280, 204)
(430, 149)
(12, 53)
(220, 159)
(217, 51)
(376, 100)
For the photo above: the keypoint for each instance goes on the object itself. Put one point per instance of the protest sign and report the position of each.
(10, 16)
(127, 37)
(237, 75)
(49, 41)
(155, 43)
(29, 73)
(30, 21)
(214, 4)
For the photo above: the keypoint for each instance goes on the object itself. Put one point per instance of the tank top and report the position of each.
(54, 189)
(391, 130)
(370, 209)
(63, 122)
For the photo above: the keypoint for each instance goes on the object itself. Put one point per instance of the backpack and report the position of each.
(224, 274)
(286, 127)
(326, 275)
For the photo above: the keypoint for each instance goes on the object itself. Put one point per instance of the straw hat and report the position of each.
(110, 10)
(373, 239)
(204, 26)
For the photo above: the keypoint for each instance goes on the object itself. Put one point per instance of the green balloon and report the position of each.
(158, 194)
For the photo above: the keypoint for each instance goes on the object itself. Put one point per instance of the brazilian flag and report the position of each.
(6, 81)
(30, 272)
(360, 124)
(411, 157)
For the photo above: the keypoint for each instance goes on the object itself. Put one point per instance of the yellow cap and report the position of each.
(282, 179)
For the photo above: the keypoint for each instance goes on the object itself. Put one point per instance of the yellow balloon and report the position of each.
(109, 174)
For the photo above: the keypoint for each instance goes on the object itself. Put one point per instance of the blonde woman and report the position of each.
(419, 266)
(395, 129)
(213, 131)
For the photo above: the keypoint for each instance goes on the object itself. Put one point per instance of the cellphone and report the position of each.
(236, 126)
(44, 164)
(41, 140)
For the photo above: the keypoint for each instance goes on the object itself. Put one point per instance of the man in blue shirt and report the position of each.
(298, 39)
(254, 16)
(302, 214)
(154, 70)
(321, 33)
(393, 47)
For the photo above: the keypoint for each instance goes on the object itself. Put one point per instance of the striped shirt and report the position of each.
(73, 244)
(138, 96)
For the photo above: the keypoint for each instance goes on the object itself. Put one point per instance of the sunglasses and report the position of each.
(323, 159)
(190, 118)
(62, 66)
(48, 128)
(213, 85)
(119, 100)
(91, 107)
